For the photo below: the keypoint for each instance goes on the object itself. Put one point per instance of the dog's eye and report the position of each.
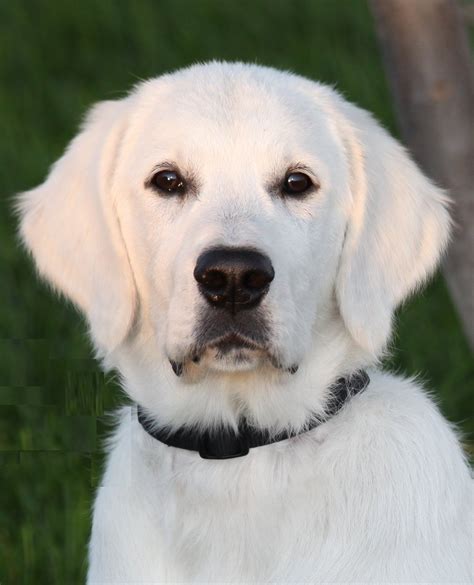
(296, 183)
(168, 181)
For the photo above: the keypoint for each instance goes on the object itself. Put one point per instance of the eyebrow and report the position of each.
(294, 167)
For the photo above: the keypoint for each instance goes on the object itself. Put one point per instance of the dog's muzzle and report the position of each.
(232, 329)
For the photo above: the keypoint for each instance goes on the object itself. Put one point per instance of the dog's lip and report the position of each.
(234, 341)
(229, 342)
(224, 343)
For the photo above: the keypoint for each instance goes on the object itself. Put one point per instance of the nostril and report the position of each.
(214, 280)
(256, 279)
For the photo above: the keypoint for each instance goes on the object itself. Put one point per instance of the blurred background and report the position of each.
(57, 57)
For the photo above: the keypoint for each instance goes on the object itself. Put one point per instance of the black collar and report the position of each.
(226, 444)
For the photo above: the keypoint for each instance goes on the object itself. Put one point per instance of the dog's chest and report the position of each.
(329, 506)
(264, 517)
(240, 527)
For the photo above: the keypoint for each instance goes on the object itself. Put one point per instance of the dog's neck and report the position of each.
(228, 443)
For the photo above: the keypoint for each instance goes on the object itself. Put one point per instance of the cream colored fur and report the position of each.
(379, 494)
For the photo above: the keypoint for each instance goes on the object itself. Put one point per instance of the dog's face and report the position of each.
(233, 211)
(228, 216)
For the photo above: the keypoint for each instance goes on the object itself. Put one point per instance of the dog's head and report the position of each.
(231, 218)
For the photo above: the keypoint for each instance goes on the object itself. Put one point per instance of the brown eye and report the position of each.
(168, 181)
(296, 183)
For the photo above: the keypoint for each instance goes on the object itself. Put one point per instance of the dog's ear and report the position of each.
(398, 227)
(70, 226)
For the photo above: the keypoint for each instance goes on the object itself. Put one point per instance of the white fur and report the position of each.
(381, 492)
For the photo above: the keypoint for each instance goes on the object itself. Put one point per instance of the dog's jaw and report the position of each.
(200, 393)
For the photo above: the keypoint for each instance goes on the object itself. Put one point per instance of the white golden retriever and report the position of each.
(238, 239)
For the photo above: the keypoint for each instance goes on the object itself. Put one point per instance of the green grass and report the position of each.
(57, 58)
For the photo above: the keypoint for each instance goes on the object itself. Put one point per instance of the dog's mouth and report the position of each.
(234, 341)
(232, 352)
(227, 344)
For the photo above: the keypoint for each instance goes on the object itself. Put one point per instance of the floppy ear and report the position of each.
(70, 227)
(398, 227)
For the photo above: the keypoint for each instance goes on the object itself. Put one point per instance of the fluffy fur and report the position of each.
(381, 492)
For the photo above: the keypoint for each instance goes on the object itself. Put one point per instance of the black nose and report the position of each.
(233, 278)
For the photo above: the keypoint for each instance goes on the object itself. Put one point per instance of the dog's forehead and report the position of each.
(208, 112)
(226, 96)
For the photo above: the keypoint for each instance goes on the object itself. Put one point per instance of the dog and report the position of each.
(238, 239)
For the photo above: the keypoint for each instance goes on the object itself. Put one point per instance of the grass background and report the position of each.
(56, 59)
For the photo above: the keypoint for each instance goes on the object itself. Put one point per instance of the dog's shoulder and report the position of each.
(394, 436)
(400, 418)
(395, 473)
